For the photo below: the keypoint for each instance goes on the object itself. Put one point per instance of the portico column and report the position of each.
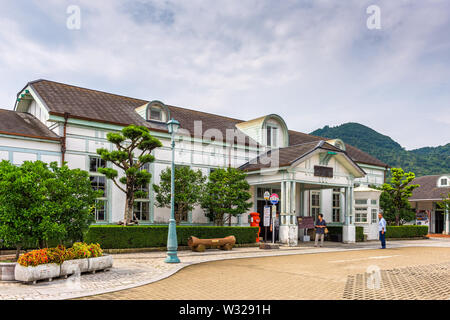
(348, 230)
(447, 222)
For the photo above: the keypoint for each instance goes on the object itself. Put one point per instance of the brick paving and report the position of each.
(312, 276)
(142, 269)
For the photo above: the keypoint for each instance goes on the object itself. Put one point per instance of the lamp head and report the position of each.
(173, 126)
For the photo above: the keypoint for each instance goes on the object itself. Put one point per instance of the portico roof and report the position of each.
(291, 155)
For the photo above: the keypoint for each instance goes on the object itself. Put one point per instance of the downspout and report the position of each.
(63, 138)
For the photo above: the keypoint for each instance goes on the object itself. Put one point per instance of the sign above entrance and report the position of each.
(320, 171)
(274, 198)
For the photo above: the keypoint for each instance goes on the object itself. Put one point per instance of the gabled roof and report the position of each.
(428, 189)
(99, 106)
(356, 154)
(290, 155)
(24, 125)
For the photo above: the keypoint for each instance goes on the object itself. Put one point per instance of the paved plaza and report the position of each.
(417, 269)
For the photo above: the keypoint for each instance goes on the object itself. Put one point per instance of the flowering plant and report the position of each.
(33, 258)
(58, 255)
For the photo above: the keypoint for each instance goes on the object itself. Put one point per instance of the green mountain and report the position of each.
(423, 161)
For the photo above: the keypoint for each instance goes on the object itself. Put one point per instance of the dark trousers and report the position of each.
(383, 239)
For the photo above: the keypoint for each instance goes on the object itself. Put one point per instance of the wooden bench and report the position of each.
(199, 245)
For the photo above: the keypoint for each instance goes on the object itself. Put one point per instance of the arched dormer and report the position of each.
(154, 111)
(270, 130)
(275, 132)
(443, 181)
(338, 143)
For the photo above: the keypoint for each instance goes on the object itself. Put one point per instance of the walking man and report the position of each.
(320, 230)
(382, 230)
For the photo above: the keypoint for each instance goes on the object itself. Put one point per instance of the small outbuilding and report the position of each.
(425, 201)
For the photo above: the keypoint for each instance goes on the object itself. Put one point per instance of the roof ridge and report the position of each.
(84, 88)
(209, 113)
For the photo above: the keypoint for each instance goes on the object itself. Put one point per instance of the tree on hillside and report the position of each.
(130, 140)
(189, 185)
(226, 192)
(38, 203)
(399, 190)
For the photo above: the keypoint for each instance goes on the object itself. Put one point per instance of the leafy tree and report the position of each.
(226, 193)
(73, 193)
(38, 203)
(130, 139)
(399, 190)
(386, 204)
(189, 185)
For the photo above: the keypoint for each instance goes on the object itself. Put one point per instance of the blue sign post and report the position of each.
(274, 199)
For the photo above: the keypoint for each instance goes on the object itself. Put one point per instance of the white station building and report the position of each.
(53, 121)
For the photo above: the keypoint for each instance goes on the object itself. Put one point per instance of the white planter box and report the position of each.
(100, 263)
(69, 267)
(32, 274)
(7, 271)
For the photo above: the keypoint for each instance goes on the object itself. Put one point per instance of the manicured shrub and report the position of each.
(406, 231)
(120, 237)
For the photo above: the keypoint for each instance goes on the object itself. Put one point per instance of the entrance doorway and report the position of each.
(260, 203)
(438, 221)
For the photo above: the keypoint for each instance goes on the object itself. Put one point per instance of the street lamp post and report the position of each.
(172, 243)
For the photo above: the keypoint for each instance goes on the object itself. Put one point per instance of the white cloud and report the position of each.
(313, 62)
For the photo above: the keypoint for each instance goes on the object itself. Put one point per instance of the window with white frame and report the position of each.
(444, 182)
(315, 204)
(141, 210)
(361, 214)
(98, 182)
(272, 136)
(336, 205)
(374, 215)
(361, 202)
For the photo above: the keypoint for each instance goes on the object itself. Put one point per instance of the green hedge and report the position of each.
(336, 231)
(120, 237)
(406, 231)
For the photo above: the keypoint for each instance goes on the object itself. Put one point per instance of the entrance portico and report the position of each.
(304, 169)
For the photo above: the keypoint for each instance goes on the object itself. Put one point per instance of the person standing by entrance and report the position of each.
(320, 230)
(382, 230)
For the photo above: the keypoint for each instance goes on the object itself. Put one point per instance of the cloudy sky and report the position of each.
(313, 62)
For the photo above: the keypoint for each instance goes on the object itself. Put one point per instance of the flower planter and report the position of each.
(32, 274)
(7, 271)
(100, 263)
(69, 267)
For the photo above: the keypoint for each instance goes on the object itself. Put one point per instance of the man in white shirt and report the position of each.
(382, 230)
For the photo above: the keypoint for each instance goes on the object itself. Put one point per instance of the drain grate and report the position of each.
(426, 282)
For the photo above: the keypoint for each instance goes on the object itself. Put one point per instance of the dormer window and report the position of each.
(157, 111)
(156, 114)
(443, 181)
(272, 136)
